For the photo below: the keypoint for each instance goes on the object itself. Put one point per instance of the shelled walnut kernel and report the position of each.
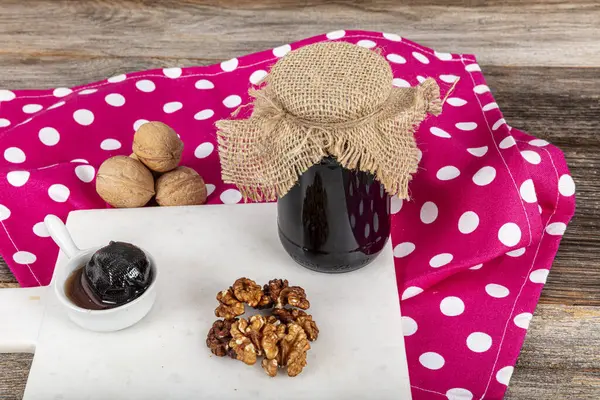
(282, 338)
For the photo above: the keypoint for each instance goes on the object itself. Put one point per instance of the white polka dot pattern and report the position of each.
(468, 222)
(336, 35)
(522, 320)
(447, 173)
(473, 202)
(509, 234)
(431, 360)
(172, 73)
(504, 374)
(49, 136)
(497, 291)
(429, 212)
(459, 394)
(409, 326)
(85, 173)
(479, 342)
(452, 306)
(231, 196)
(229, 65)
(14, 155)
(204, 84)
(403, 249)
(440, 260)
(24, 257)
(204, 150)
(478, 151)
(4, 212)
(83, 117)
(59, 193)
(145, 85)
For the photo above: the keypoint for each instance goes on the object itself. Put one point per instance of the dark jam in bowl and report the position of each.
(115, 275)
(74, 289)
(334, 219)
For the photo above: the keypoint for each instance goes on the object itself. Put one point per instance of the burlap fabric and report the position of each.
(329, 98)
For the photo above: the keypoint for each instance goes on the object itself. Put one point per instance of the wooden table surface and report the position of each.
(541, 59)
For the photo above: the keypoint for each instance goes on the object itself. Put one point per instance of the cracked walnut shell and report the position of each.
(124, 182)
(180, 187)
(157, 146)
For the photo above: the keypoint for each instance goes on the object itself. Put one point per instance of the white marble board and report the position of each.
(199, 251)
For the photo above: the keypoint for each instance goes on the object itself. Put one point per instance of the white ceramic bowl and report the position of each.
(109, 320)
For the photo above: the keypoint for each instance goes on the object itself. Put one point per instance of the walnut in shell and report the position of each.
(124, 182)
(157, 146)
(180, 187)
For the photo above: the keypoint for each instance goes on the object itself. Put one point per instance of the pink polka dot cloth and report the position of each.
(473, 246)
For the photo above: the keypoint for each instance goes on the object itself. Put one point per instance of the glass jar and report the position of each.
(334, 220)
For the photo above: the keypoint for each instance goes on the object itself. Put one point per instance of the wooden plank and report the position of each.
(21, 71)
(14, 370)
(6, 277)
(558, 360)
(561, 106)
(532, 383)
(533, 33)
(64, 43)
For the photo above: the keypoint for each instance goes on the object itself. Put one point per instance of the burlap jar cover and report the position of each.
(326, 99)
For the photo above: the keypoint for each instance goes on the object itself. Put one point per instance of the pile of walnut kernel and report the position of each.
(282, 337)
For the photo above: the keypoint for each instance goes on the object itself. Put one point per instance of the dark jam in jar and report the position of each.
(334, 219)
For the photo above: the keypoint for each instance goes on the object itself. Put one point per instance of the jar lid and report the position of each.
(326, 99)
(321, 85)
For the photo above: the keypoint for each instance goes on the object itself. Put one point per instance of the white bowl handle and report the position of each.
(61, 236)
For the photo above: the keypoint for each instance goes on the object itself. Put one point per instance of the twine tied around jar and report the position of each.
(326, 99)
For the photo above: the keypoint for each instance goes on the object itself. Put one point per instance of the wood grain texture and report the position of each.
(540, 57)
(559, 359)
(14, 370)
(561, 105)
(170, 33)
